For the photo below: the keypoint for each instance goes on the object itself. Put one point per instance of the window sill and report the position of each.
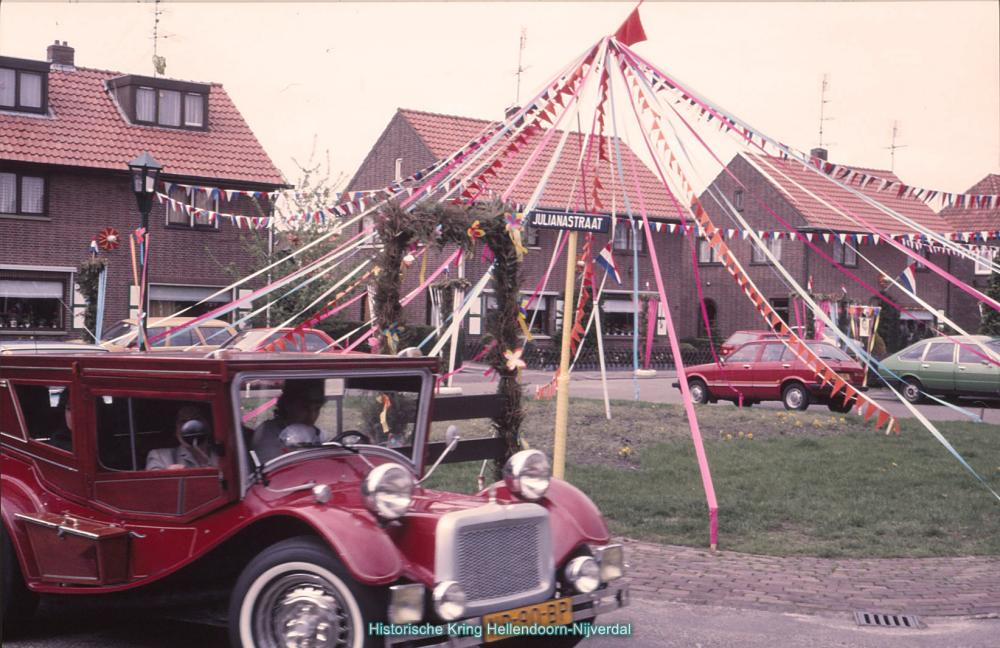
(194, 228)
(711, 264)
(27, 217)
(41, 332)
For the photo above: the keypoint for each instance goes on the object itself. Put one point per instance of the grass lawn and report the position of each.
(806, 483)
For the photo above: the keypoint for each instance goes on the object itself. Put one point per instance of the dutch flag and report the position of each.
(608, 263)
(907, 279)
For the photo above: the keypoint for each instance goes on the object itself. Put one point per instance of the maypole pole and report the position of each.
(562, 382)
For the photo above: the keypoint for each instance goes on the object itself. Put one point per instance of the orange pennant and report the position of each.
(883, 416)
(838, 384)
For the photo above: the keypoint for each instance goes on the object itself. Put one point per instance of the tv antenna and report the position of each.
(822, 106)
(892, 149)
(520, 69)
(159, 62)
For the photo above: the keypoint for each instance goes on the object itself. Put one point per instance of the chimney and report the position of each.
(61, 54)
(819, 153)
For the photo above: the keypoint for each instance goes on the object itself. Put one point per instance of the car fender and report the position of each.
(18, 499)
(361, 543)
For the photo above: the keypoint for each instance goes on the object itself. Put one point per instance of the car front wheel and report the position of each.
(699, 391)
(841, 406)
(795, 397)
(297, 593)
(19, 602)
(913, 390)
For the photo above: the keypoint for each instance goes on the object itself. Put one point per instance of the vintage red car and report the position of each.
(769, 370)
(297, 511)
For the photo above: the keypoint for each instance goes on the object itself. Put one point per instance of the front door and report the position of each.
(774, 364)
(937, 371)
(738, 368)
(974, 375)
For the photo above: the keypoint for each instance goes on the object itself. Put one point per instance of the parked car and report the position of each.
(742, 337)
(326, 543)
(206, 336)
(939, 366)
(256, 339)
(769, 370)
(36, 347)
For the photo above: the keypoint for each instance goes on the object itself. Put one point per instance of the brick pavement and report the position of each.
(964, 586)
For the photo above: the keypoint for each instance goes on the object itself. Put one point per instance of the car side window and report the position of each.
(940, 352)
(314, 342)
(772, 353)
(966, 356)
(129, 429)
(745, 354)
(914, 354)
(183, 339)
(45, 410)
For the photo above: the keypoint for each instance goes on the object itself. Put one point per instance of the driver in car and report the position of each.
(194, 451)
(299, 405)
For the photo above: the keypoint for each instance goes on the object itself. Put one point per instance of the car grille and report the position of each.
(501, 555)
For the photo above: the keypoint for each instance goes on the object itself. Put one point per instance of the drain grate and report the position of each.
(888, 620)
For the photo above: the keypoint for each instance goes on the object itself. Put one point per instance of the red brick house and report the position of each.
(812, 204)
(66, 136)
(413, 140)
(964, 219)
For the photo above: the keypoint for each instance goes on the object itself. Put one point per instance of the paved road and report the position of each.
(659, 389)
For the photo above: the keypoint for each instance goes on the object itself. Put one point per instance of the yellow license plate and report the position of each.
(551, 613)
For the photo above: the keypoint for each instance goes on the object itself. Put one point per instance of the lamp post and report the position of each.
(145, 173)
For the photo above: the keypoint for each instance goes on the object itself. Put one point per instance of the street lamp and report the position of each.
(145, 172)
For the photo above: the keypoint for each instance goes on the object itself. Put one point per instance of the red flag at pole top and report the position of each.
(631, 31)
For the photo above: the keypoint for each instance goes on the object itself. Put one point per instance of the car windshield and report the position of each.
(829, 352)
(280, 415)
(737, 339)
(120, 329)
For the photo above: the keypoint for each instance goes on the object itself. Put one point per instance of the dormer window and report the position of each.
(23, 85)
(162, 102)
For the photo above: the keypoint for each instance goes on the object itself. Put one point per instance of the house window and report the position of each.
(22, 90)
(706, 253)
(171, 108)
(397, 173)
(194, 110)
(618, 316)
(31, 304)
(738, 199)
(178, 216)
(984, 261)
(626, 238)
(22, 194)
(780, 306)
(529, 235)
(845, 255)
(926, 254)
(774, 245)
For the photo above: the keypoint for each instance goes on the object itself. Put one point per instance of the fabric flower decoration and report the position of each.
(475, 232)
(392, 335)
(522, 319)
(514, 224)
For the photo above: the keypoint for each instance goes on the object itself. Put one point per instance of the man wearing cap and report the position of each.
(194, 433)
(300, 402)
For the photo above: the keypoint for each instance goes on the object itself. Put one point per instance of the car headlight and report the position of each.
(449, 600)
(611, 559)
(583, 574)
(527, 474)
(387, 491)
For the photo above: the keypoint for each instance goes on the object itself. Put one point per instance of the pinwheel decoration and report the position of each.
(514, 361)
(392, 336)
(514, 224)
(108, 238)
(475, 233)
(522, 319)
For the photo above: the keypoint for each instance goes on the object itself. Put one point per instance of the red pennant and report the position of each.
(631, 31)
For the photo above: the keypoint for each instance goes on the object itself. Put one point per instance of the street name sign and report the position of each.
(571, 221)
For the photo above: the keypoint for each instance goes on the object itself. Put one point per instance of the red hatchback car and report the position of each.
(768, 370)
(287, 494)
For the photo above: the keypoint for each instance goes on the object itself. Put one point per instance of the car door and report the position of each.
(739, 369)
(768, 372)
(974, 375)
(937, 371)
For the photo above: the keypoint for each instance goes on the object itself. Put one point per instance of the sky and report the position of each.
(324, 78)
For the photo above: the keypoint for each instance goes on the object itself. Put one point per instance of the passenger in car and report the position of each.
(194, 433)
(300, 402)
(62, 436)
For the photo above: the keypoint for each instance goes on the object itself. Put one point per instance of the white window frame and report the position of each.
(984, 263)
(189, 198)
(758, 257)
(706, 254)
(845, 254)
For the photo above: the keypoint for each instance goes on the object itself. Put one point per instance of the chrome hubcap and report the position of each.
(697, 393)
(794, 398)
(911, 392)
(301, 611)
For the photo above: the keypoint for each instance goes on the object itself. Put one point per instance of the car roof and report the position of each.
(212, 365)
(180, 321)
